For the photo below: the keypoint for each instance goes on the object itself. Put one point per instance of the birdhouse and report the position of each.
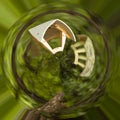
(49, 30)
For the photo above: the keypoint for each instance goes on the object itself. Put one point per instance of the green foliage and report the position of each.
(12, 10)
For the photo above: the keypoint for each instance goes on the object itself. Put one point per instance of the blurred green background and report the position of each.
(108, 10)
